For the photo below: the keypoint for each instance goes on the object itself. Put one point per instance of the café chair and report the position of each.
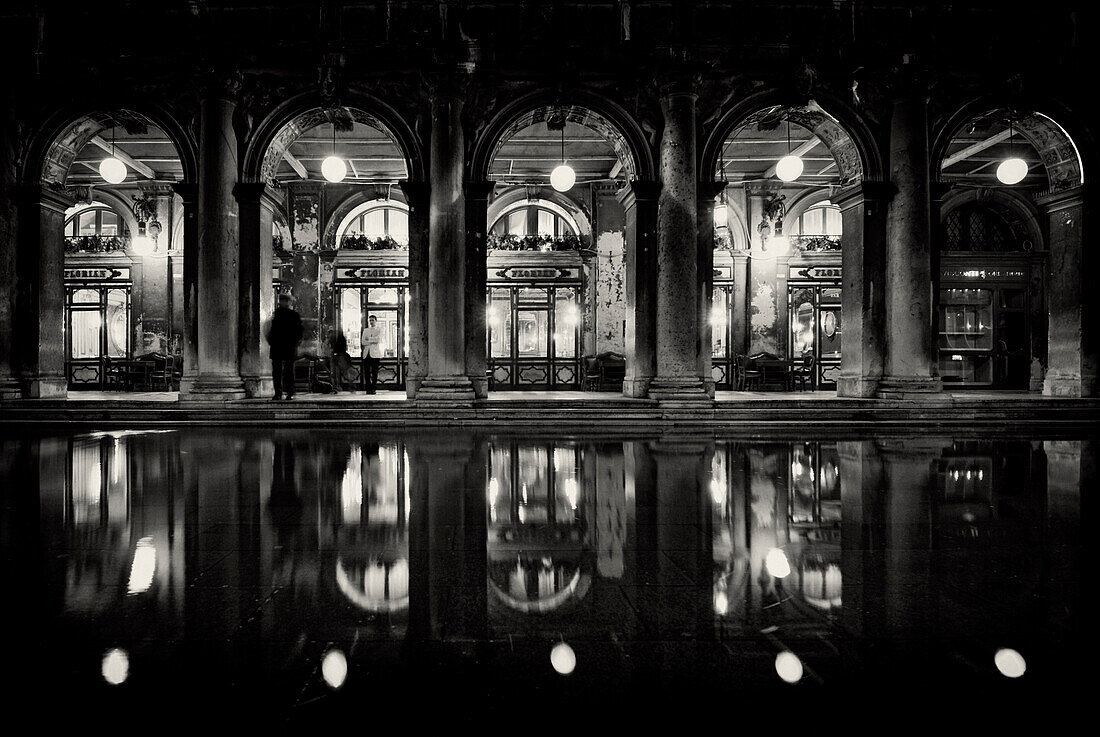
(804, 372)
(744, 377)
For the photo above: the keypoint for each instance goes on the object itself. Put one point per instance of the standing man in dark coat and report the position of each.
(283, 337)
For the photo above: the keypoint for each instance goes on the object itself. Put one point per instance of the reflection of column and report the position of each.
(1072, 342)
(706, 192)
(678, 330)
(219, 249)
(639, 201)
(188, 194)
(416, 318)
(604, 479)
(477, 208)
(257, 206)
(1071, 469)
(861, 510)
(908, 263)
(447, 378)
(39, 323)
(863, 209)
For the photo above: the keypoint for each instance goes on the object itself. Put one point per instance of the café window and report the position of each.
(538, 217)
(377, 219)
(821, 219)
(978, 227)
(95, 220)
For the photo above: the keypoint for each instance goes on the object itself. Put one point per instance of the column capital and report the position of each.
(221, 84)
(1052, 202)
(678, 83)
(447, 86)
(637, 191)
(479, 190)
(416, 193)
(707, 191)
(607, 189)
(249, 193)
(187, 191)
(48, 196)
(869, 190)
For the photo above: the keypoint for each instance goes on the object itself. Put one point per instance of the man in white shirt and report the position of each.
(371, 340)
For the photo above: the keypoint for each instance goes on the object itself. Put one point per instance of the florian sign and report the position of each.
(816, 273)
(535, 273)
(377, 272)
(105, 273)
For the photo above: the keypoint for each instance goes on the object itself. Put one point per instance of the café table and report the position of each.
(773, 370)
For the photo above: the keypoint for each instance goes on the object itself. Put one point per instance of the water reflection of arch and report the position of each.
(540, 548)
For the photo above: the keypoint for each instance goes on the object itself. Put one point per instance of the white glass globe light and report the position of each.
(788, 666)
(563, 658)
(1012, 171)
(777, 564)
(112, 170)
(1009, 662)
(116, 666)
(563, 178)
(789, 168)
(334, 169)
(334, 668)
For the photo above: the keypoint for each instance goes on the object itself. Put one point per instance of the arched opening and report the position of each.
(122, 241)
(776, 299)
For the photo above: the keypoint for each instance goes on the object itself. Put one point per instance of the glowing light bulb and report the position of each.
(563, 658)
(1012, 171)
(789, 168)
(788, 666)
(1009, 662)
(116, 666)
(777, 564)
(563, 178)
(112, 170)
(334, 668)
(334, 169)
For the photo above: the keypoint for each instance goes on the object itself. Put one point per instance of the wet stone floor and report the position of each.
(300, 577)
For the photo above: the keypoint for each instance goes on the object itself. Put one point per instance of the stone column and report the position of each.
(9, 239)
(739, 296)
(219, 250)
(257, 206)
(1072, 342)
(706, 192)
(477, 226)
(678, 329)
(416, 318)
(188, 194)
(447, 380)
(863, 210)
(639, 201)
(38, 339)
(908, 329)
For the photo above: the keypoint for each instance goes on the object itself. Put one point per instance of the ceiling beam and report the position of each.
(801, 150)
(296, 165)
(615, 169)
(975, 148)
(125, 158)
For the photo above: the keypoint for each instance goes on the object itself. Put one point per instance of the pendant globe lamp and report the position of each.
(563, 177)
(111, 168)
(333, 167)
(789, 167)
(1013, 169)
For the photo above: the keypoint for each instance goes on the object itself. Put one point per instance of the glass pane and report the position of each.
(811, 222)
(382, 296)
(387, 321)
(84, 328)
(531, 333)
(405, 350)
(802, 322)
(546, 222)
(108, 223)
(1014, 298)
(500, 485)
(499, 318)
(966, 319)
(533, 294)
(86, 222)
(399, 226)
(517, 222)
(830, 333)
(833, 221)
(351, 320)
(566, 323)
(70, 227)
(374, 223)
(532, 483)
(719, 312)
(86, 296)
(567, 491)
(118, 324)
(962, 368)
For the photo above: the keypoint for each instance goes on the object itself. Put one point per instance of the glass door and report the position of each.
(816, 330)
(388, 305)
(97, 330)
(966, 337)
(534, 337)
(721, 327)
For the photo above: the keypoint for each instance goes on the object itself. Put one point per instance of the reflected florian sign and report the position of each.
(535, 273)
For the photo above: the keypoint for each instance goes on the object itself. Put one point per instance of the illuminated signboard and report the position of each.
(982, 274)
(105, 273)
(829, 273)
(377, 272)
(534, 273)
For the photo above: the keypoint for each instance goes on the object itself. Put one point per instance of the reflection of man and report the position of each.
(371, 341)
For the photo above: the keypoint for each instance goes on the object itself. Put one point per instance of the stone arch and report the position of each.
(1024, 215)
(805, 201)
(596, 113)
(509, 198)
(64, 134)
(304, 111)
(1062, 158)
(841, 129)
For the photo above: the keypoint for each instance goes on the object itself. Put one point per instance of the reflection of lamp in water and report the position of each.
(143, 567)
(777, 564)
(563, 658)
(1009, 662)
(116, 666)
(788, 666)
(721, 602)
(334, 668)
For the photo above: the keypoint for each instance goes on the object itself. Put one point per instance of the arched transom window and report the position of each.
(534, 217)
(822, 218)
(95, 219)
(377, 219)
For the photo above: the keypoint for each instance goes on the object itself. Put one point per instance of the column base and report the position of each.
(212, 388)
(258, 387)
(412, 386)
(666, 388)
(637, 388)
(43, 387)
(481, 386)
(908, 387)
(446, 391)
(10, 389)
(856, 386)
(1069, 385)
